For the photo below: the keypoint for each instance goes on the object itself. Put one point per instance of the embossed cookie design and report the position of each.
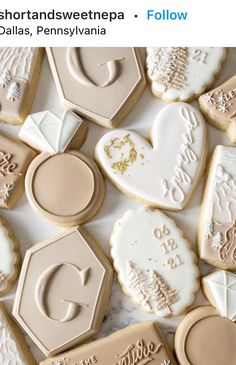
(220, 289)
(136, 344)
(154, 262)
(217, 238)
(19, 74)
(15, 158)
(182, 73)
(219, 107)
(62, 184)
(9, 257)
(63, 291)
(205, 338)
(102, 84)
(13, 348)
(142, 172)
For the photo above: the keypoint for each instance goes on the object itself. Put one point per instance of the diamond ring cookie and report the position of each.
(63, 291)
(62, 184)
(154, 262)
(9, 258)
(13, 348)
(217, 238)
(15, 158)
(100, 83)
(182, 73)
(219, 107)
(139, 169)
(205, 338)
(137, 344)
(220, 289)
(19, 74)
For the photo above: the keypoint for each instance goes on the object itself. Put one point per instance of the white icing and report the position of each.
(50, 131)
(222, 287)
(7, 257)
(150, 242)
(198, 70)
(178, 136)
(16, 62)
(10, 353)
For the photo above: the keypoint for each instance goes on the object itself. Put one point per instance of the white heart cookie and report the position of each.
(154, 262)
(165, 175)
(181, 73)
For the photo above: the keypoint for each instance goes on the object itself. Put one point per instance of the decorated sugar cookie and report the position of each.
(205, 338)
(137, 344)
(220, 289)
(13, 348)
(217, 238)
(19, 74)
(15, 158)
(141, 171)
(154, 262)
(62, 184)
(219, 106)
(182, 73)
(9, 258)
(100, 83)
(63, 291)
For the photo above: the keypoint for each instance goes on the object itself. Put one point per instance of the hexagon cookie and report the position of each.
(102, 84)
(63, 291)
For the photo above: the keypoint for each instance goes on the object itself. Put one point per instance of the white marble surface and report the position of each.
(30, 228)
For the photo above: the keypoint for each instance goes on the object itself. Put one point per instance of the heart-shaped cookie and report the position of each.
(166, 174)
(154, 262)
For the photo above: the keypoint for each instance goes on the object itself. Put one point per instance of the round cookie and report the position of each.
(182, 73)
(139, 170)
(154, 262)
(205, 338)
(62, 184)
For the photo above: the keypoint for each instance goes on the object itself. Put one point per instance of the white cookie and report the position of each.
(181, 73)
(154, 262)
(166, 174)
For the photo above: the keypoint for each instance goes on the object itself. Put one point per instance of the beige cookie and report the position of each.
(183, 73)
(62, 184)
(9, 257)
(13, 348)
(15, 158)
(100, 83)
(63, 290)
(205, 338)
(19, 74)
(137, 344)
(219, 107)
(216, 237)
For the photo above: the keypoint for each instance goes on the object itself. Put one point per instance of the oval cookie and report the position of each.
(154, 262)
(66, 189)
(205, 338)
(182, 73)
(139, 169)
(9, 258)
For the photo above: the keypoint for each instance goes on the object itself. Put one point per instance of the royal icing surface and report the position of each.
(220, 289)
(101, 84)
(205, 338)
(137, 344)
(217, 238)
(10, 352)
(17, 65)
(7, 258)
(50, 131)
(138, 169)
(180, 73)
(63, 291)
(154, 262)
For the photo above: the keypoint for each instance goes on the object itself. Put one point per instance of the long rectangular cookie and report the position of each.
(217, 239)
(137, 344)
